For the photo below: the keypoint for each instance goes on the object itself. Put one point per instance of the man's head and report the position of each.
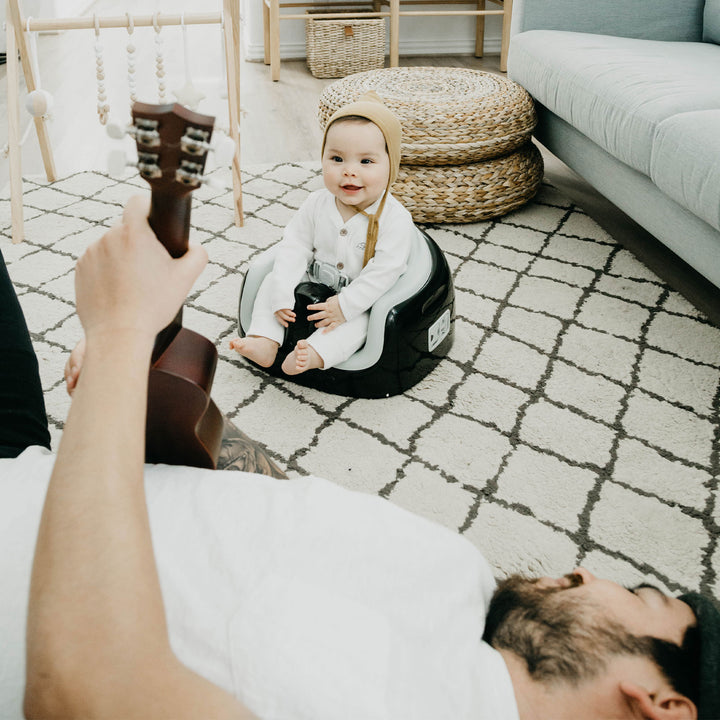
(568, 631)
(707, 614)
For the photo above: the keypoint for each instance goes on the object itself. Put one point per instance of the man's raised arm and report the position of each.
(97, 641)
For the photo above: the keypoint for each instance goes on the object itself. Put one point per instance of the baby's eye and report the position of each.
(336, 158)
(365, 161)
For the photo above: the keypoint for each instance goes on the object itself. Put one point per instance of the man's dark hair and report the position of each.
(563, 638)
(680, 663)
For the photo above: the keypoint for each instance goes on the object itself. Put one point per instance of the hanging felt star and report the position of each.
(188, 95)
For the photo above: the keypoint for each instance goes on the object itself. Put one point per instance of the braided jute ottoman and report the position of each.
(467, 153)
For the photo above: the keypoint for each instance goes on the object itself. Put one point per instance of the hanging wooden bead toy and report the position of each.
(103, 109)
(39, 102)
(130, 49)
(159, 61)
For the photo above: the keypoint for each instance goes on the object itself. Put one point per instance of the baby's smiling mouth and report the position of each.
(351, 187)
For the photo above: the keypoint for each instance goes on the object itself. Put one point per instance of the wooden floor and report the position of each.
(279, 120)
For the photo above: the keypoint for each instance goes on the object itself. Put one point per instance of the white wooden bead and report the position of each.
(39, 103)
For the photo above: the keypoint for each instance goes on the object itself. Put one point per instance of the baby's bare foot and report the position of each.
(260, 350)
(303, 357)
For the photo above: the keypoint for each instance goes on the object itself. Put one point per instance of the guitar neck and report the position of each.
(172, 144)
(170, 220)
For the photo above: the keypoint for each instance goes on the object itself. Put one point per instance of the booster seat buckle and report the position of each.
(327, 274)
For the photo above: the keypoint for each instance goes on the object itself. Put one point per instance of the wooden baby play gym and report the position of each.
(21, 33)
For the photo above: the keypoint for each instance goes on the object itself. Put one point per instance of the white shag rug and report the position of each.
(575, 420)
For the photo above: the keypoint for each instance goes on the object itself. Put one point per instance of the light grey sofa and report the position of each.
(628, 96)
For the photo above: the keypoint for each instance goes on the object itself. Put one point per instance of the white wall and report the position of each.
(418, 36)
(45, 9)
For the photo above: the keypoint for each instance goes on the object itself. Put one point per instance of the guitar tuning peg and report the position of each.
(214, 182)
(224, 151)
(117, 161)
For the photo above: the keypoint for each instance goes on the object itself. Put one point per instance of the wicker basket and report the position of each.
(468, 193)
(342, 46)
(448, 115)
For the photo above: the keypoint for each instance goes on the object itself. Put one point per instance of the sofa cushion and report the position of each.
(679, 20)
(616, 91)
(711, 21)
(685, 162)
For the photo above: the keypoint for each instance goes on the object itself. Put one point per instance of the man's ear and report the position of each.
(665, 705)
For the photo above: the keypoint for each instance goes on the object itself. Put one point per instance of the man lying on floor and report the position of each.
(171, 592)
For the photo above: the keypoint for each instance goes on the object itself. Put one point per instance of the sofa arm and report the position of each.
(680, 20)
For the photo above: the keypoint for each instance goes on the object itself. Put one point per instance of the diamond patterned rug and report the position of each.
(575, 421)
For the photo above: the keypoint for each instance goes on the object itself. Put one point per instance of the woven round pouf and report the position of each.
(471, 192)
(448, 115)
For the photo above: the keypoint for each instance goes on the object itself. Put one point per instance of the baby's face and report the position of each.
(355, 163)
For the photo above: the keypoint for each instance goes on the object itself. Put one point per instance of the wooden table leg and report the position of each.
(266, 32)
(274, 14)
(480, 30)
(507, 17)
(394, 33)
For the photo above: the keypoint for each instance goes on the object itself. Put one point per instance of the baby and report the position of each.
(352, 235)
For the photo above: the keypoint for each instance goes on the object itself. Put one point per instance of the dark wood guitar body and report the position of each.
(184, 426)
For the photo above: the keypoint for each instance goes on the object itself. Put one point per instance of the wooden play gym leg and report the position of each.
(231, 30)
(16, 41)
(16, 206)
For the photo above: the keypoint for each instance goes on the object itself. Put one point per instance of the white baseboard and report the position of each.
(295, 51)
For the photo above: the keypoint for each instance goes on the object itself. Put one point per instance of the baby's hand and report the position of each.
(285, 316)
(73, 367)
(329, 314)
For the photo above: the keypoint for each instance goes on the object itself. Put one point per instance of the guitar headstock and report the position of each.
(172, 145)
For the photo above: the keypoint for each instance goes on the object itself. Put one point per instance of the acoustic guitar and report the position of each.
(184, 426)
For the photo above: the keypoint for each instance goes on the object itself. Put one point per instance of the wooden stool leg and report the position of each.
(480, 31)
(231, 30)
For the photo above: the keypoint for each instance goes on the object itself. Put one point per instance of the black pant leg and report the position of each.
(23, 421)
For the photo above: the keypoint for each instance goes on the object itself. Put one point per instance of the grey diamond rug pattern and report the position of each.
(575, 420)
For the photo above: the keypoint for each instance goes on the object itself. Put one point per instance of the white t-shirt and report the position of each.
(305, 600)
